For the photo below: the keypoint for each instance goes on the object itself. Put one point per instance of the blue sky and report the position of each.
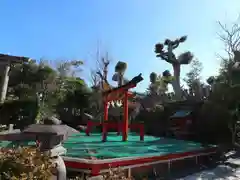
(127, 29)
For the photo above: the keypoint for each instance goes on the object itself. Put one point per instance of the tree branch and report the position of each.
(176, 44)
(230, 37)
(164, 56)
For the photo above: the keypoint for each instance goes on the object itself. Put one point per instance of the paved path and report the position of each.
(228, 171)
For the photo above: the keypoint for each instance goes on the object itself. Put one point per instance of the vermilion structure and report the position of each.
(119, 93)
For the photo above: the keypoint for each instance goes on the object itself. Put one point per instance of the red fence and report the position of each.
(115, 125)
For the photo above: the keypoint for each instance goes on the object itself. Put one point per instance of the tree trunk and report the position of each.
(176, 82)
(4, 82)
(120, 80)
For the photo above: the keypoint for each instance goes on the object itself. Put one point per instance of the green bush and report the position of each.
(212, 123)
(19, 112)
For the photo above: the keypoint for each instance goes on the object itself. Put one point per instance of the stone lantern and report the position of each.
(50, 139)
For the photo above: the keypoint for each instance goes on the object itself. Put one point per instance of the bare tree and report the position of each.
(103, 68)
(100, 72)
(94, 78)
(230, 36)
(98, 76)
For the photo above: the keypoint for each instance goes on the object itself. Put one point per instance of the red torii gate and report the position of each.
(115, 94)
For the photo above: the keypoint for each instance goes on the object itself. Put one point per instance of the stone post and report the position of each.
(4, 82)
(10, 127)
(52, 145)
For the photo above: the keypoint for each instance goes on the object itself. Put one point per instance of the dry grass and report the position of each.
(118, 174)
(24, 164)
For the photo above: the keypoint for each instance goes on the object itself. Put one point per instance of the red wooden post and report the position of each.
(105, 118)
(95, 170)
(89, 125)
(125, 118)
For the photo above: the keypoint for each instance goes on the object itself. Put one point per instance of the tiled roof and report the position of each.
(13, 59)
